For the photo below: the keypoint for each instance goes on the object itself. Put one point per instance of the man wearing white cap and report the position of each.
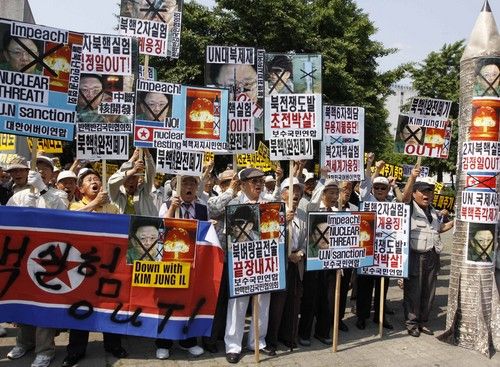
(425, 247)
(66, 181)
(270, 184)
(252, 187)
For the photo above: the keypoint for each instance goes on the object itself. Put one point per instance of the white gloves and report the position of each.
(35, 180)
(30, 200)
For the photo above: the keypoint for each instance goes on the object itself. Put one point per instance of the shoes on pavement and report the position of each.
(361, 324)
(305, 342)
(210, 347)
(233, 357)
(195, 351)
(42, 360)
(327, 341)
(343, 326)
(117, 352)
(72, 359)
(162, 353)
(414, 332)
(16, 352)
(386, 324)
(269, 350)
(425, 330)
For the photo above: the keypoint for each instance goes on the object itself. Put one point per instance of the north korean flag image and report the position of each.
(68, 270)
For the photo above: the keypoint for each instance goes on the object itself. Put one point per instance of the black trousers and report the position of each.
(420, 287)
(219, 322)
(366, 283)
(167, 343)
(284, 310)
(79, 339)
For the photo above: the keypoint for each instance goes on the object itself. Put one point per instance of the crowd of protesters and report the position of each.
(292, 317)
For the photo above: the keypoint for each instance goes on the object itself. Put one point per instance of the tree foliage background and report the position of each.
(337, 29)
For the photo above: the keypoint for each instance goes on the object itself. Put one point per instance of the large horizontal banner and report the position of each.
(340, 240)
(256, 254)
(74, 270)
(392, 243)
(39, 78)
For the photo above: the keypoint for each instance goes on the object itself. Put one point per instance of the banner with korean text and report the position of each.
(108, 273)
(342, 149)
(256, 255)
(338, 240)
(293, 115)
(392, 231)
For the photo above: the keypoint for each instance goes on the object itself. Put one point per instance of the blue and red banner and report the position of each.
(66, 269)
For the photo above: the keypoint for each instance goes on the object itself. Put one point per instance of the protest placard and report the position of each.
(392, 246)
(441, 202)
(480, 244)
(179, 162)
(102, 146)
(174, 117)
(7, 143)
(407, 168)
(338, 240)
(342, 149)
(425, 130)
(260, 159)
(256, 255)
(39, 80)
(68, 270)
(241, 70)
(293, 116)
(156, 24)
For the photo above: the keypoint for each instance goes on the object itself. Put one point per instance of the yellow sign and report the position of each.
(47, 145)
(259, 159)
(161, 274)
(110, 168)
(7, 143)
(438, 186)
(208, 157)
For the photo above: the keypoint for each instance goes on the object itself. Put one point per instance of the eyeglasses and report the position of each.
(256, 181)
(90, 91)
(380, 187)
(21, 53)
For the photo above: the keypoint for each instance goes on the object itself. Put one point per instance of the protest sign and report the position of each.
(241, 70)
(425, 130)
(7, 143)
(480, 244)
(256, 255)
(39, 80)
(102, 146)
(407, 168)
(47, 146)
(68, 270)
(293, 100)
(342, 149)
(156, 24)
(339, 240)
(260, 159)
(392, 231)
(174, 117)
(179, 162)
(441, 202)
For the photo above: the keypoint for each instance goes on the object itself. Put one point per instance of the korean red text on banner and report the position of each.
(179, 162)
(481, 156)
(392, 245)
(340, 240)
(75, 270)
(102, 146)
(156, 24)
(241, 70)
(342, 149)
(39, 80)
(106, 100)
(292, 103)
(175, 117)
(256, 248)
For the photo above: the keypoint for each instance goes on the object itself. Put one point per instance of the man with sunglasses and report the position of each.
(252, 189)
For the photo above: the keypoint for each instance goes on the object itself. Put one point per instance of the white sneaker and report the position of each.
(42, 360)
(3, 332)
(195, 351)
(16, 352)
(162, 353)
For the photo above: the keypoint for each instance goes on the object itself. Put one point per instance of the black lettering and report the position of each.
(196, 310)
(113, 289)
(74, 312)
(132, 319)
(53, 260)
(170, 308)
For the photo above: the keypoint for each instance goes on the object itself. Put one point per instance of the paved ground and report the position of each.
(356, 347)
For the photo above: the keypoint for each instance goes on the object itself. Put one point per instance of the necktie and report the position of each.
(186, 207)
